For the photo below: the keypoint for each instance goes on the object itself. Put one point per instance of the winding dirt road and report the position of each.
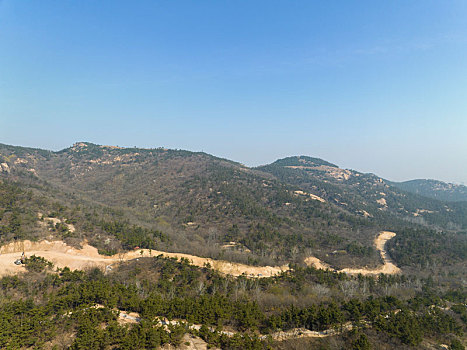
(62, 255)
(388, 266)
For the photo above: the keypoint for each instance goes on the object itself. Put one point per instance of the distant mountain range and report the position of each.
(434, 189)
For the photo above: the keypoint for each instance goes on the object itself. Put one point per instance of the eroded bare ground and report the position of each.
(286, 335)
(133, 317)
(189, 342)
(62, 255)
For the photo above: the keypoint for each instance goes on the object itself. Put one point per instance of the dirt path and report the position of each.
(388, 266)
(88, 257)
(63, 255)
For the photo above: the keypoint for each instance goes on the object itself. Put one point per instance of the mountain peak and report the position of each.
(303, 161)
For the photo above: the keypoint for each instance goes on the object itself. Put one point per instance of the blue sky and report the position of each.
(376, 86)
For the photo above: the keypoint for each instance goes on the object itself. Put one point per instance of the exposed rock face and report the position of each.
(4, 168)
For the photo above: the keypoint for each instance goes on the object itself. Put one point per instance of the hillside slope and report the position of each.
(367, 195)
(192, 202)
(434, 189)
(200, 202)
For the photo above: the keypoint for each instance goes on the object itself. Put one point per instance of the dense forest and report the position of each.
(435, 189)
(82, 309)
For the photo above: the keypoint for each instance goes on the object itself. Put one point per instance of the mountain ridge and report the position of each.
(435, 189)
(275, 213)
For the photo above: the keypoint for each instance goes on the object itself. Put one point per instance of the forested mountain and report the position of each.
(367, 195)
(184, 194)
(284, 211)
(434, 189)
(118, 199)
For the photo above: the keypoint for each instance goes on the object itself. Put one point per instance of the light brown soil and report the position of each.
(62, 255)
(382, 201)
(189, 342)
(317, 264)
(55, 221)
(306, 333)
(312, 196)
(88, 257)
(388, 266)
(294, 333)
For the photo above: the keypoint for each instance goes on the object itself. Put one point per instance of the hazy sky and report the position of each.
(376, 86)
